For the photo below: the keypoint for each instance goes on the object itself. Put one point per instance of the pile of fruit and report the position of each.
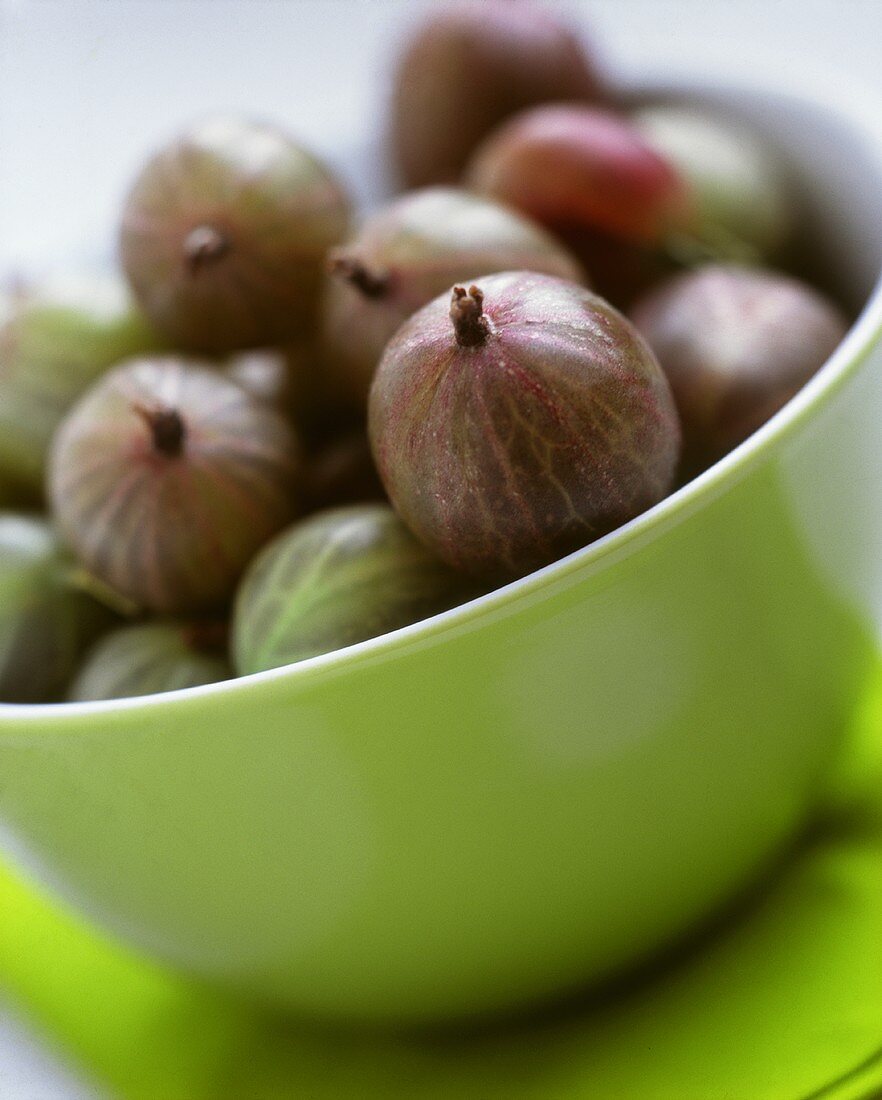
(288, 434)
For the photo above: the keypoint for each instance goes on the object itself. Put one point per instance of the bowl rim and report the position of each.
(859, 110)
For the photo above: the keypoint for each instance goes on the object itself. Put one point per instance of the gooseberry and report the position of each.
(224, 236)
(736, 344)
(150, 658)
(469, 66)
(55, 341)
(46, 620)
(407, 253)
(166, 478)
(518, 421)
(574, 168)
(337, 578)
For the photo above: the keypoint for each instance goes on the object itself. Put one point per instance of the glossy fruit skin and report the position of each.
(334, 579)
(46, 621)
(506, 455)
(55, 341)
(469, 66)
(736, 344)
(418, 246)
(743, 206)
(572, 167)
(146, 659)
(224, 235)
(172, 532)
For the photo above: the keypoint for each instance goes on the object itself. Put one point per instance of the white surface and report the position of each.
(30, 1072)
(87, 86)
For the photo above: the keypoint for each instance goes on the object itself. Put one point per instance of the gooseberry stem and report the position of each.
(203, 246)
(167, 429)
(372, 284)
(467, 315)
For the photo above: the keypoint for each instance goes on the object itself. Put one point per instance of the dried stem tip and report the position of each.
(372, 284)
(467, 314)
(203, 246)
(167, 429)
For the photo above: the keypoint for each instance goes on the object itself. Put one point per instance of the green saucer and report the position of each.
(781, 1001)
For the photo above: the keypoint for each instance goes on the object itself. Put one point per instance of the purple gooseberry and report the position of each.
(466, 68)
(736, 344)
(224, 236)
(408, 252)
(166, 478)
(572, 167)
(518, 421)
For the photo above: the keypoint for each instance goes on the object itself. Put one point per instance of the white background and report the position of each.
(87, 87)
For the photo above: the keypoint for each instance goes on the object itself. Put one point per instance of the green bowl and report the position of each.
(537, 789)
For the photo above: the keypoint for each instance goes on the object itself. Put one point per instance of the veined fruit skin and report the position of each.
(172, 532)
(224, 235)
(419, 245)
(340, 577)
(506, 455)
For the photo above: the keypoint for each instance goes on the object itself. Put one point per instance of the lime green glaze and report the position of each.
(781, 1002)
(521, 795)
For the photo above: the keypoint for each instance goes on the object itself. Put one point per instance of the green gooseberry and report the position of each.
(743, 207)
(337, 578)
(150, 658)
(54, 343)
(46, 620)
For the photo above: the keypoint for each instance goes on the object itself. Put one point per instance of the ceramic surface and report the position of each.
(532, 791)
